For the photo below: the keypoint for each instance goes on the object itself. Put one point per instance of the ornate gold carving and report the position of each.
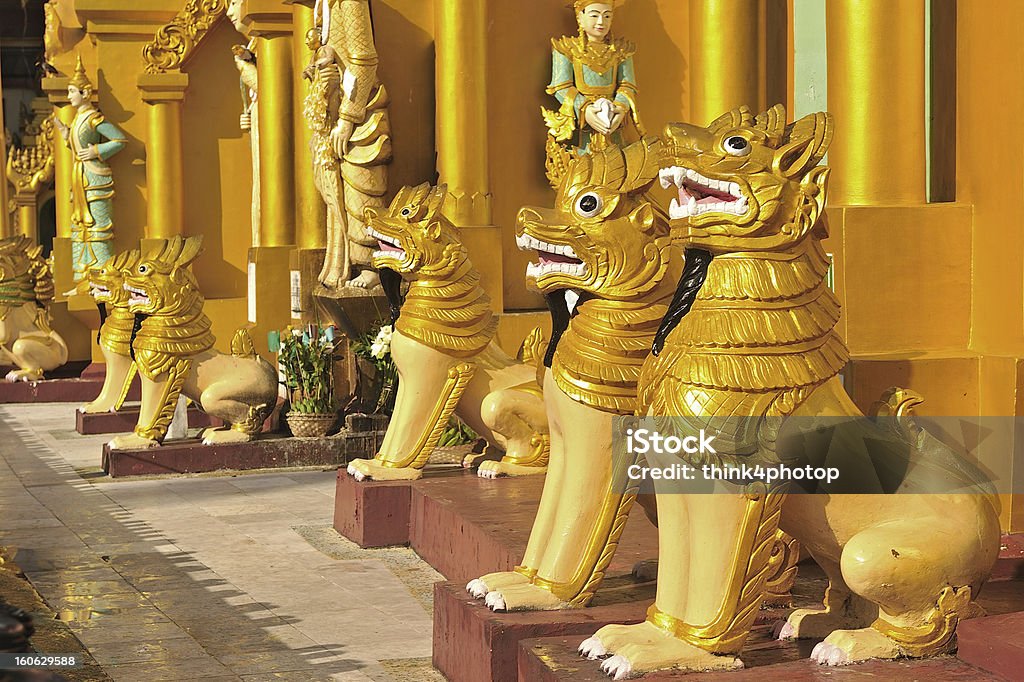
(174, 42)
(597, 56)
(936, 635)
(30, 168)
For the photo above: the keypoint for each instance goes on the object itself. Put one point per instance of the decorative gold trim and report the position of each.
(538, 455)
(157, 428)
(173, 43)
(936, 636)
(458, 379)
(728, 630)
(126, 387)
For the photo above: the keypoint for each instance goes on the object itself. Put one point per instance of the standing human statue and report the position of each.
(92, 140)
(593, 79)
(346, 109)
(248, 121)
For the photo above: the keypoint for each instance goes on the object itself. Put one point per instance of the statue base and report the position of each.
(352, 310)
(125, 419)
(70, 383)
(190, 456)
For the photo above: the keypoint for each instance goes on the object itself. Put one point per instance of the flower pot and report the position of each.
(305, 425)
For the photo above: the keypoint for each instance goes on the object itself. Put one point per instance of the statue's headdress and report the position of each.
(79, 79)
(580, 5)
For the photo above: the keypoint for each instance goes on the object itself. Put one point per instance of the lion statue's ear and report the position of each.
(190, 250)
(806, 143)
(435, 201)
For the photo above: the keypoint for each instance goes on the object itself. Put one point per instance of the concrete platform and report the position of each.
(125, 419)
(72, 383)
(377, 513)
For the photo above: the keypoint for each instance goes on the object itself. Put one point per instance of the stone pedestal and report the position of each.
(125, 419)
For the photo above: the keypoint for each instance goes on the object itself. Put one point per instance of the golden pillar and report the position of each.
(164, 94)
(27, 209)
(4, 227)
(277, 139)
(56, 90)
(725, 67)
(310, 211)
(462, 133)
(462, 159)
(876, 93)
(269, 271)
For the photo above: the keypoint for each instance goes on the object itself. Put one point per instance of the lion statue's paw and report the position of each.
(374, 469)
(480, 587)
(843, 647)
(491, 469)
(132, 441)
(592, 648)
(523, 597)
(217, 436)
(644, 647)
(16, 375)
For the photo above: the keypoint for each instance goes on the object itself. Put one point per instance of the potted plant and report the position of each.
(375, 348)
(306, 359)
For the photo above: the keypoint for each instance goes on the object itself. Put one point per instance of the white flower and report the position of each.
(381, 346)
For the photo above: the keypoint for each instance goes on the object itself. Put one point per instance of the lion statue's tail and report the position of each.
(242, 345)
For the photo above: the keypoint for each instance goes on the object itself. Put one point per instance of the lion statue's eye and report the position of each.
(406, 212)
(737, 145)
(143, 269)
(588, 205)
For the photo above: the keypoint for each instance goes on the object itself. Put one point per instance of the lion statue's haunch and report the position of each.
(444, 350)
(173, 350)
(750, 335)
(27, 342)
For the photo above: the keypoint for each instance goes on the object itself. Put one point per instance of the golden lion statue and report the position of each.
(751, 335)
(106, 285)
(607, 269)
(444, 350)
(27, 342)
(173, 350)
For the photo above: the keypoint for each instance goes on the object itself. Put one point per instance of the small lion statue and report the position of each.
(27, 342)
(444, 349)
(909, 531)
(173, 350)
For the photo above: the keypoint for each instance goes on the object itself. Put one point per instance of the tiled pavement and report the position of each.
(213, 578)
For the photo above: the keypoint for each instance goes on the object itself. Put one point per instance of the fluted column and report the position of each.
(462, 159)
(310, 210)
(876, 78)
(724, 57)
(164, 95)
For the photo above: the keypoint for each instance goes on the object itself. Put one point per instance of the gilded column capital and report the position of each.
(163, 87)
(56, 89)
(116, 17)
(266, 17)
(174, 42)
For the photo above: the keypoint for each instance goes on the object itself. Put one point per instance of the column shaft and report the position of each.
(28, 223)
(165, 170)
(4, 226)
(876, 93)
(462, 158)
(62, 167)
(725, 64)
(310, 211)
(277, 135)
